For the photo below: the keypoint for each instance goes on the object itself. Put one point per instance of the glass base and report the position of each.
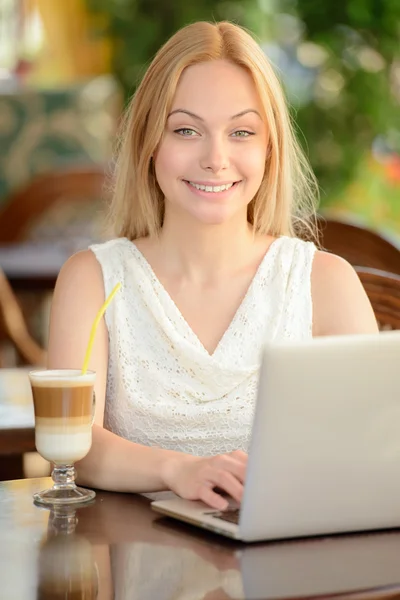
(64, 491)
(64, 496)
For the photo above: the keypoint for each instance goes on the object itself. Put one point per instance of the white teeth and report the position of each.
(211, 188)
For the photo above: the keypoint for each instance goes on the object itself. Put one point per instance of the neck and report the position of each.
(203, 252)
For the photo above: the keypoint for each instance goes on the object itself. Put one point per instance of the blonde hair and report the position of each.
(285, 201)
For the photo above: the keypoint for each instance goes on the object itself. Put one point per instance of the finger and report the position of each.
(231, 465)
(213, 499)
(228, 483)
(239, 455)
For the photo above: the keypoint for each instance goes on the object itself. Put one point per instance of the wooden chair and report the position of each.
(82, 186)
(13, 327)
(383, 290)
(359, 246)
(60, 207)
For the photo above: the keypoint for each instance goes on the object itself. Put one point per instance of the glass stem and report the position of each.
(62, 521)
(64, 477)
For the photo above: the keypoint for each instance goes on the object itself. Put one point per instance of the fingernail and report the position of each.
(223, 505)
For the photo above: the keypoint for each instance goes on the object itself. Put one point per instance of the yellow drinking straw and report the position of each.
(94, 327)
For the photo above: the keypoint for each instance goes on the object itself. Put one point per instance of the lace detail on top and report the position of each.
(163, 388)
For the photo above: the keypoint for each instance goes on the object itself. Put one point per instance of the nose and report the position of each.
(215, 156)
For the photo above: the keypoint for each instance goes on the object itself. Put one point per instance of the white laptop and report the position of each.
(325, 450)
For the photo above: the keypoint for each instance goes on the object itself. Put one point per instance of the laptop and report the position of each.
(324, 456)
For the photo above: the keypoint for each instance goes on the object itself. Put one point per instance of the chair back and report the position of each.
(359, 246)
(383, 291)
(55, 205)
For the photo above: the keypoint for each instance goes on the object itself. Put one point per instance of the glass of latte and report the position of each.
(63, 401)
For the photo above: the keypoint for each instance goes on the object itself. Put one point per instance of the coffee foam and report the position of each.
(61, 378)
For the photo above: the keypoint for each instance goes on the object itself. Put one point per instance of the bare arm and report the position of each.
(114, 463)
(340, 304)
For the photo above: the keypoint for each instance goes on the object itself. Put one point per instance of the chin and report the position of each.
(208, 214)
(216, 214)
(213, 217)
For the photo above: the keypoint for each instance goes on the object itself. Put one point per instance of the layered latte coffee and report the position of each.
(63, 403)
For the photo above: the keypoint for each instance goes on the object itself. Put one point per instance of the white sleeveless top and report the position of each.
(163, 388)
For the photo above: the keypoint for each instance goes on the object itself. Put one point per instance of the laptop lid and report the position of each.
(325, 449)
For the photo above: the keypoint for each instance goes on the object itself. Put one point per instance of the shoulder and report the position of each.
(82, 263)
(294, 251)
(340, 304)
(78, 295)
(297, 248)
(110, 247)
(81, 276)
(88, 275)
(330, 269)
(296, 257)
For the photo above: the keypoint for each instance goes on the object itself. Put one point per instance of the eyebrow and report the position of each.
(194, 116)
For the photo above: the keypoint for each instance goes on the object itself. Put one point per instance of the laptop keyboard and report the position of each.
(231, 515)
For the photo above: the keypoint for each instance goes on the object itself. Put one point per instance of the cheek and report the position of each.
(162, 162)
(170, 160)
(253, 163)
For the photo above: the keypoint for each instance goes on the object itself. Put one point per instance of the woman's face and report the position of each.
(211, 159)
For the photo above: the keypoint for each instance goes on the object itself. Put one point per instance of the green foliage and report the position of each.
(140, 27)
(351, 101)
(340, 104)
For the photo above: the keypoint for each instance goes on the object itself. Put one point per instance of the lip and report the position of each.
(216, 196)
(212, 183)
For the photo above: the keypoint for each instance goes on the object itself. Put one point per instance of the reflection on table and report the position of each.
(118, 548)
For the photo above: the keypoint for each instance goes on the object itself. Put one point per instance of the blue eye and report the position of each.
(185, 132)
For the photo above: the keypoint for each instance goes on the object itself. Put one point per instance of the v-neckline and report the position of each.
(168, 298)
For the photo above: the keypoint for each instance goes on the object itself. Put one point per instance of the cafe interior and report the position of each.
(67, 70)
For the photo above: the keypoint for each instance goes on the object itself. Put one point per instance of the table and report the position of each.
(119, 548)
(17, 422)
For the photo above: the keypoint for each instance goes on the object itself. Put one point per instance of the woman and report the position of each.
(211, 191)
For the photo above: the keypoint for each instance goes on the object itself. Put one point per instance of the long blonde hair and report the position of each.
(285, 201)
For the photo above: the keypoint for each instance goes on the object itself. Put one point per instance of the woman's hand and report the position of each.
(195, 478)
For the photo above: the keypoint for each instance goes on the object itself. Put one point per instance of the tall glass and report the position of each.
(64, 410)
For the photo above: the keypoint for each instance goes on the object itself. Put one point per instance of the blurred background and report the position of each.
(67, 69)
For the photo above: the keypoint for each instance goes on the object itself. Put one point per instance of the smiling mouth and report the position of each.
(215, 189)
